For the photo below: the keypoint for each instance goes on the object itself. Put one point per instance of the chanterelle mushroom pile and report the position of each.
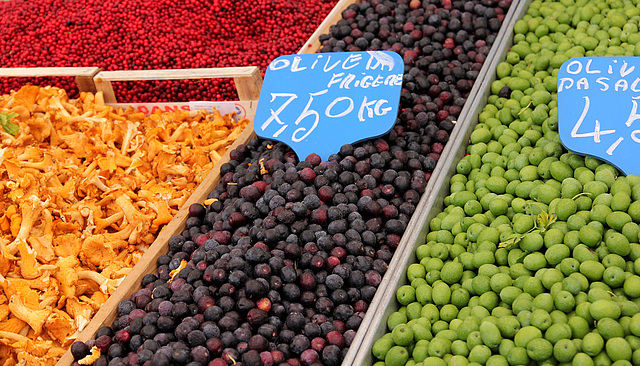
(84, 189)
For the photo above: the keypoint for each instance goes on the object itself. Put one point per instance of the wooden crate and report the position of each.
(251, 81)
(83, 75)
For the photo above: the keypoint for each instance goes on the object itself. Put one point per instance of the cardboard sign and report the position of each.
(598, 109)
(315, 103)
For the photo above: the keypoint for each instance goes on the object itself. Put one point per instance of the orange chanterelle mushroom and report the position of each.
(84, 189)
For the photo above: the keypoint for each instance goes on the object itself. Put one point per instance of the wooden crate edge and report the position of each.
(169, 74)
(248, 79)
(83, 75)
(48, 71)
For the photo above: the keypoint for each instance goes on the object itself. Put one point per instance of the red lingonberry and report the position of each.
(146, 34)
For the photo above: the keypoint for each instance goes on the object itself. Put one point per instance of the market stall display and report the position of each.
(293, 249)
(527, 254)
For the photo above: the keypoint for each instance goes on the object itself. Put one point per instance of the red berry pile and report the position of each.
(153, 34)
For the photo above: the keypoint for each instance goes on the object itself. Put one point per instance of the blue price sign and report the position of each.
(315, 103)
(598, 109)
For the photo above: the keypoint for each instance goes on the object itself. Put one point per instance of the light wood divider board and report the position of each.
(248, 79)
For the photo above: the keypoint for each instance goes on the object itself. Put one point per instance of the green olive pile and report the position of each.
(535, 259)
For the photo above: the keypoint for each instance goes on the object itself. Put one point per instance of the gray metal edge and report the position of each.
(384, 303)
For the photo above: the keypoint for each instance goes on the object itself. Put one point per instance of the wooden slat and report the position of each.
(84, 75)
(147, 264)
(248, 87)
(313, 44)
(17, 72)
(86, 84)
(106, 88)
(175, 74)
(249, 78)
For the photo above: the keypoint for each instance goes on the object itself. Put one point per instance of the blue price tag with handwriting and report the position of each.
(315, 103)
(598, 111)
